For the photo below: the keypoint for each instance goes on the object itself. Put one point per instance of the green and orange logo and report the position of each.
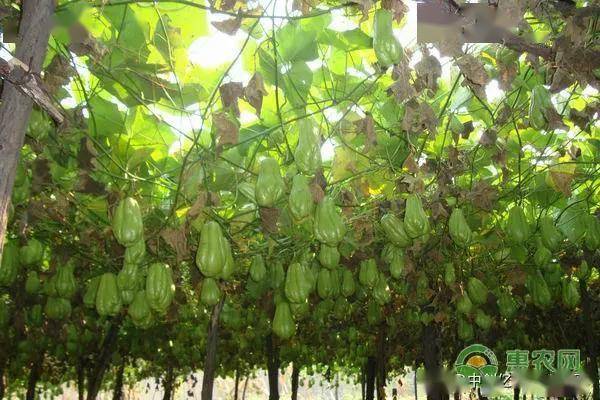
(475, 363)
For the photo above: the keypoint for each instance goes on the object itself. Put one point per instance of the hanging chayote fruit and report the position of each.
(65, 281)
(32, 283)
(506, 305)
(160, 289)
(108, 298)
(269, 184)
(387, 47)
(139, 310)
(329, 226)
(464, 304)
(348, 285)
(276, 274)
(127, 222)
(416, 222)
(89, 297)
(211, 255)
(324, 283)
(283, 323)
(394, 230)
(329, 256)
(301, 201)
(257, 268)
(308, 151)
(9, 265)
(460, 232)
(210, 293)
(465, 330)
(397, 263)
(368, 273)
(477, 290)
(483, 320)
(57, 308)
(229, 266)
(449, 274)
(542, 256)
(297, 286)
(381, 291)
(129, 277)
(135, 253)
(538, 288)
(32, 253)
(517, 227)
(570, 293)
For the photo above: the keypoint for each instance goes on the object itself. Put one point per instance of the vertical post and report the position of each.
(237, 384)
(210, 362)
(295, 379)
(415, 382)
(118, 390)
(80, 379)
(168, 383)
(434, 386)
(592, 342)
(108, 346)
(2, 388)
(245, 387)
(371, 365)
(34, 376)
(34, 32)
(273, 368)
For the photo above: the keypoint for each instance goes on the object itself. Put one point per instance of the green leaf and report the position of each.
(296, 44)
(297, 84)
(354, 39)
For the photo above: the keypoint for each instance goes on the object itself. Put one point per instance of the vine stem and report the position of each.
(211, 8)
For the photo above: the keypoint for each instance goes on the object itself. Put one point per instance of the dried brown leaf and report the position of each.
(555, 120)
(475, 74)
(177, 240)
(488, 137)
(410, 164)
(483, 195)
(83, 43)
(438, 211)
(574, 152)
(227, 4)
(363, 229)
(41, 174)
(401, 89)
(198, 205)
(226, 127)
(506, 74)
(268, 219)
(365, 6)
(228, 26)
(397, 7)
(415, 183)
(87, 184)
(562, 181)
(428, 71)
(255, 91)
(580, 118)
(367, 127)
(418, 117)
(317, 191)
(230, 93)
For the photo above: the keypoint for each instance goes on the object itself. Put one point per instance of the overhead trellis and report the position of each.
(245, 185)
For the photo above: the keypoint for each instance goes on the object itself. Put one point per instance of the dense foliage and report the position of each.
(334, 198)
